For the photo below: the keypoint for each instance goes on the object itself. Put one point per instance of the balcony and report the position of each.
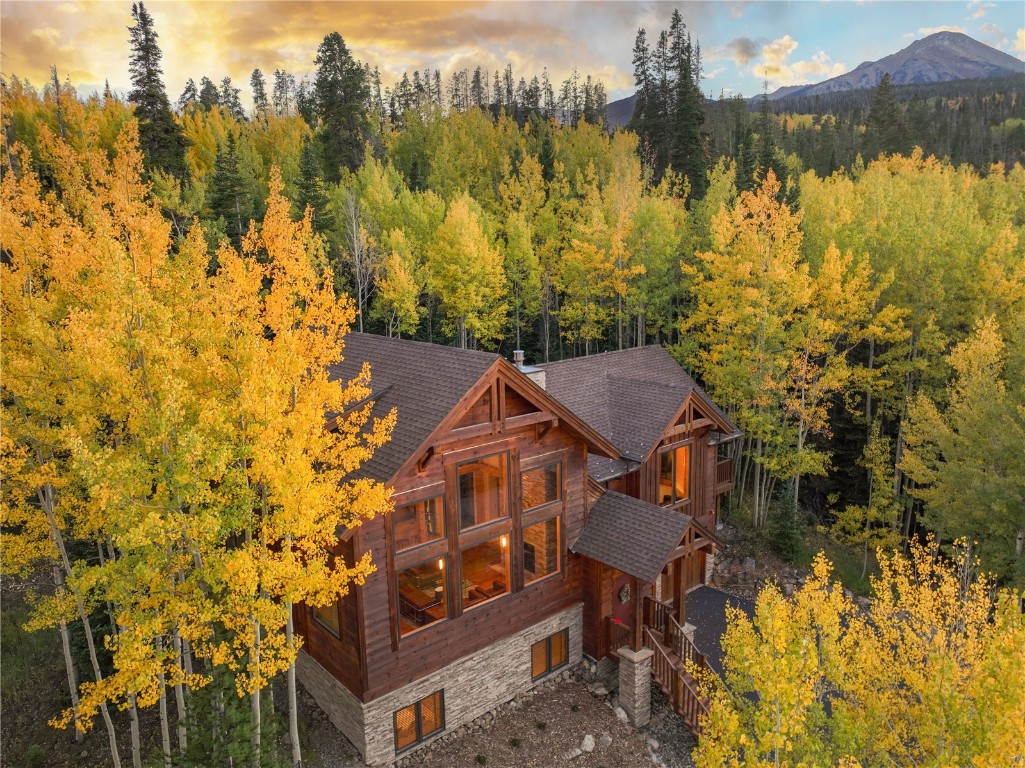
(723, 476)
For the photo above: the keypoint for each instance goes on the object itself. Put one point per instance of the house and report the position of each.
(524, 536)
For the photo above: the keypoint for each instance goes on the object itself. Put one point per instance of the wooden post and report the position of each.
(638, 623)
(679, 594)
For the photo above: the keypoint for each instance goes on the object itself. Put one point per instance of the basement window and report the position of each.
(419, 721)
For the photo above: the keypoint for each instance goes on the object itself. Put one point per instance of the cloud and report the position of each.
(980, 8)
(994, 34)
(1019, 43)
(743, 50)
(926, 31)
(776, 68)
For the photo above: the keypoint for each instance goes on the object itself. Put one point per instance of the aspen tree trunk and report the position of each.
(254, 700)
(133, 720)
(293, 712)
(165, 730)
(69, 663)
(45, 495)
(179, 697)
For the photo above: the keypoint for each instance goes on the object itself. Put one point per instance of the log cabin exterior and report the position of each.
(495, 569)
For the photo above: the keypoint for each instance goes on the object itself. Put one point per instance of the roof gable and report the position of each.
(631, 396)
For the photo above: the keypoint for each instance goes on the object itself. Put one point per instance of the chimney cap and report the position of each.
(518, 357)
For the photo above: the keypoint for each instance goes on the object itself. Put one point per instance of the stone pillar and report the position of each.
(635, 684)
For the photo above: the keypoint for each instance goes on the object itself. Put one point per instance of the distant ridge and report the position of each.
(940, 57)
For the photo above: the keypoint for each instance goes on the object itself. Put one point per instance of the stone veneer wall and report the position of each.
(473, 686)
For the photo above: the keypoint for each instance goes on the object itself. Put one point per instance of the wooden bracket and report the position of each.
(542, 428)
(423, 461)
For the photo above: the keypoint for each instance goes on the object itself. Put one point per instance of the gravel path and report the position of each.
(543, 728)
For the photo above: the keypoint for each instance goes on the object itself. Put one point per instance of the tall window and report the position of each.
(419, 721)
(549, 654)
(483, 490)
(674, 475)
(418, 523)
(485, 570)
(422, 595)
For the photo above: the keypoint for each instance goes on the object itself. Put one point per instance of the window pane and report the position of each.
(430, 715)
(540, 550)
(485, 571)
(483, 490)
(418, 523)
(539, 658)
(405, 727)
(682, 473)
(665, 478)
(541, 486)
(560, 654)
(328, 618)
(422, 595)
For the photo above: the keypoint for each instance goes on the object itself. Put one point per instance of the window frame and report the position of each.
(458, 515)
(464, 547)
(560, 535)
(418, 720)
(672, 449)
(441, 540)
(445, 580)
(560, 470)
(548, 654)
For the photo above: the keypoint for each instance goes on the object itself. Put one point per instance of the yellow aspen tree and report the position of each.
(398, 288)
(302, 477)
(465, 273)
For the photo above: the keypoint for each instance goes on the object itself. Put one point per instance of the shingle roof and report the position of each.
(423, 382)
(631, 535)
(629, 396)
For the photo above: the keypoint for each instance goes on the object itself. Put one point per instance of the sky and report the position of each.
(743, 43)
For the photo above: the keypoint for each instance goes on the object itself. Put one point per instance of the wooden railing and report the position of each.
(677, 683)
(724, 472)
(659, 617)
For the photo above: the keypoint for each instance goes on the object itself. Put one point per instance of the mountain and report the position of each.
(619, 112)
(940, 57)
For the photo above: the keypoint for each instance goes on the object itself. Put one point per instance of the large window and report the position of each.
(549, 654)
(485, 571)
(419, 721)
(418, 523)
(541, 486)
(483, 490)
(674, 475)
(540, 550)
(422, 595)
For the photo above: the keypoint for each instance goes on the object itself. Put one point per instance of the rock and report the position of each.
(587, 745)
(600, 690)
(604, 740)
(621, 715)
(653, 743)
(573, 753)
(749, 562)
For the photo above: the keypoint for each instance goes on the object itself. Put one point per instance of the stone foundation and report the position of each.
(472, 686)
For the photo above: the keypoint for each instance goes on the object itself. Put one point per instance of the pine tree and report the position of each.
(341, 93)
(884, 127)
(229, 99)
(259, 85)
(160, 137)
(686, 144)
(190, 95)
(209, 96)
(229, 196)
(309, 190)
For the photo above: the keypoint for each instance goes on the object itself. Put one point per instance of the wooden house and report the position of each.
(497, 567)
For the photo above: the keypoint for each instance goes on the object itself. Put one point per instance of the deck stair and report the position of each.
(673, 649)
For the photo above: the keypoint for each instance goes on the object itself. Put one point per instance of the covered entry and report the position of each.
(634, 551)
